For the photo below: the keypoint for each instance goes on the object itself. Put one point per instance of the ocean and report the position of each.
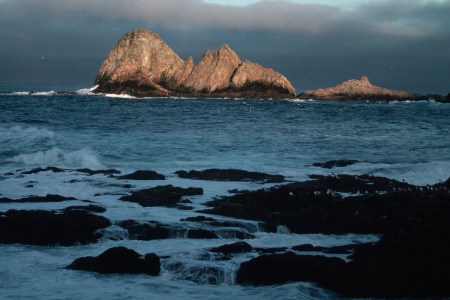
(407, 141)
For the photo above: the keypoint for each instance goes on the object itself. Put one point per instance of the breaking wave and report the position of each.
(83, 158)
(22, 134)
(124, 96)
(87, 91)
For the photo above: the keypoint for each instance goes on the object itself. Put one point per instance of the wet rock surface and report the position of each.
(239, 247)
(229, 175)
(95, 172)
(166, 195)
(143, 175)
(119, 260)
(30, 199)
(410, 260)
(335, 163)
(40, 227)
(48, 169)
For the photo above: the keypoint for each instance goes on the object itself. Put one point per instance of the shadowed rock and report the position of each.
(31, 199)
(166, 195)
(39, 227)
(143, 175)
(335, 163)
(119, 260)
(91, 208)
(239, 247)
(94, 172)
(229, 175)
(48, 169)
(288, 267)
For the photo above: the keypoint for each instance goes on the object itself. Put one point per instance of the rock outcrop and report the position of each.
(141, 64)
(361, 89)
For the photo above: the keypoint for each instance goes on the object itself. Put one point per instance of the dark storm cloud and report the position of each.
(399, 44)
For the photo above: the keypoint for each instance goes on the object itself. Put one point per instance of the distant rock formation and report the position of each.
(141, 64)
(359, 90)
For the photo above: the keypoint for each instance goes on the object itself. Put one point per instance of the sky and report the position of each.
(399, 44)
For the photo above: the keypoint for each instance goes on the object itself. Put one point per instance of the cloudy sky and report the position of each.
(401, 44)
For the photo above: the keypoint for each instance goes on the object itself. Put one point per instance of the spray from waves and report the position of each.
(123, 96)
(83, 158)
(19, 135)
(87, 91)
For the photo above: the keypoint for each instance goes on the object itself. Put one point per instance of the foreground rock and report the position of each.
(166, 195)
(360, 90)
(230, 175)
(119, 260)
(315, 206)
(410, 260)
(143, 175)
(141, 64)
(34, 199)
(46, 228)
(335, 163)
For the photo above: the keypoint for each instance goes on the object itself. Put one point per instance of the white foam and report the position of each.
(17, 134)
(86, 91)
(123, 96)
(20, 93)
(84, 158)
(49, 93)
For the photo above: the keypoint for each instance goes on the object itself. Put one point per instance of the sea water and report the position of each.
(407, 141)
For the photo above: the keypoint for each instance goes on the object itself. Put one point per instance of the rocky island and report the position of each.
(360, 90)
(141, 64)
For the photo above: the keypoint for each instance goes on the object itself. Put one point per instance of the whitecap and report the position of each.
(49, 93)
(83, 158)
(20, 93)
(123, 96)
(86, 91)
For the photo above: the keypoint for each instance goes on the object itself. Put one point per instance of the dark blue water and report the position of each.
(277, 136)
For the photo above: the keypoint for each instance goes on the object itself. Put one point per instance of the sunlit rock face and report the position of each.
(141, 64)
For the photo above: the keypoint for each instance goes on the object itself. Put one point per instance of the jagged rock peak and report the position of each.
(214, 70)
(142, 64)
(139, 52)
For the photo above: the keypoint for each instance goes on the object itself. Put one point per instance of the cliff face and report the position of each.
(360, 89)
(141, 64)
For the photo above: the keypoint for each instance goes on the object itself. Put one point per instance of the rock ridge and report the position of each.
(141, 64)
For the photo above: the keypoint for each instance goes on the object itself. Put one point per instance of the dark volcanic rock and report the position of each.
(411, 259)
(239, 247)
(166, 195)
(229, 175)
(48, 169)
(201, 234)
(47, 198)
(119, 260)
(39, 227)
(94, 172)
(345, 249)
(143, 175)
(146, 231)
(335, 163)
(288, 267)
(91, 208)
(314, 207)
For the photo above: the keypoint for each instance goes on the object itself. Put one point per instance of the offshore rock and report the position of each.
(359, 90)
(119, 260)
(141, 64)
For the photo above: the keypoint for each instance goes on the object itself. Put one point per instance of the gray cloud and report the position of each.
(398, 43)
